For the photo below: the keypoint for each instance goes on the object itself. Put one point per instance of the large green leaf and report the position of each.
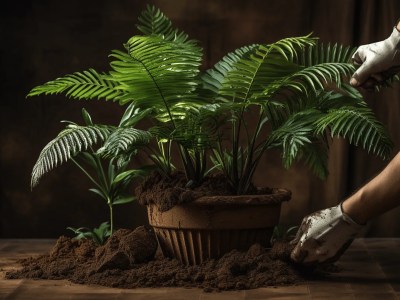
(124, 139)
(69, 142)
(252, 73)
(157, 73)
(318, 68)
(359, 126)
(214, 78)
(153, 22)
(294, 135)
(315, 156)
(81, 85)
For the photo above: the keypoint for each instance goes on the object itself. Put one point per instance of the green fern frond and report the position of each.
(320, 53)
(359, 126)
(294, 135)
(326, 101)
(319, 69)
(321, 65)
(123, 140)
(196, 131)
(252, 74)
(153, 22)
(81, 85)
(317, 76)
(291, 48)
(315, 156)
(157, 73)
(70, 141)
(133, 115)
(214, 78)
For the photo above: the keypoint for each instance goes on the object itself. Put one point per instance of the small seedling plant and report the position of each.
(98, 235)
(110, 175)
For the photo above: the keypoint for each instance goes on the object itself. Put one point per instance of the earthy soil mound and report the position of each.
(122, 263)
(168, 192)
(125, 248)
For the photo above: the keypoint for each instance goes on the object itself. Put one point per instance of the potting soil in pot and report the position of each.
(129, 260)
(168, 192)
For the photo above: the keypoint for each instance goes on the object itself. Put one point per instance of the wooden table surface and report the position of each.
(370, 269)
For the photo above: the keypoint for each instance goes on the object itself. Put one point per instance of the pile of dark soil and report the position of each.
(129, 260)
(168, 192)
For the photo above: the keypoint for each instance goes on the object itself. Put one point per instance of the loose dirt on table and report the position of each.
(129, 260)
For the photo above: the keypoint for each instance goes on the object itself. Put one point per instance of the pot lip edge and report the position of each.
(278, 196)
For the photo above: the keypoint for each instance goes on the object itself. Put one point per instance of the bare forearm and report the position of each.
(378, 196)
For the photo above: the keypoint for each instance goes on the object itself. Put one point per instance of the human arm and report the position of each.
(325, 235)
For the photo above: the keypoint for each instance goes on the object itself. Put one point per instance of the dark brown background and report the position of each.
(41, 40)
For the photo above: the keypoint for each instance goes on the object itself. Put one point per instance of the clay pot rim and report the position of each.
(277, 196)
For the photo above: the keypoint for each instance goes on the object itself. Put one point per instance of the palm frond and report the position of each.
(81, 85)
(133, 115)
(313, 69)
(326, 101)
(263, 66)
(320, 53)
(70, 141)
(315, 156)
(214, 78)
(359, 126)
(123, 140)
(153, 22)
(157, 73)
(321, 66)
(291, 48)
(294, 135)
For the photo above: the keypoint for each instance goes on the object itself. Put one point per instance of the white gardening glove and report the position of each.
(377, 61)
(323, 236)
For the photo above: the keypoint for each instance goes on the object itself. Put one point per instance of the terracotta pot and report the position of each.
(212, 226)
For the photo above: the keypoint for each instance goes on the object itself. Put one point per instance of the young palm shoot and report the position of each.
(110, 176)
(112, 183)
(99, 235)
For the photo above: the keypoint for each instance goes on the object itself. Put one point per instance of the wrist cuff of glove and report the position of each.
(397, 23)
(348, 219)
(395, 38)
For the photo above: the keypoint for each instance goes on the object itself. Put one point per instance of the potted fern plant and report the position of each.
(295, 87)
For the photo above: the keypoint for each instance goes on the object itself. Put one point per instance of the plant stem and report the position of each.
(102, 175)
(248, 172)
(234, 152)
(111, 217)
(88, 175)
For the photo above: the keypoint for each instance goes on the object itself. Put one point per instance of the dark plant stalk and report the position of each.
(204, 163)
(248, 172)
(105, 192)
(184, 155)
(110, 205)
(88, 175)
(235, 144)
(160, 165)
(102, 174)
(110, 200)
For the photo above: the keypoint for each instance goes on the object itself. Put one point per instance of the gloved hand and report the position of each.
(377, 61)
(323, 236)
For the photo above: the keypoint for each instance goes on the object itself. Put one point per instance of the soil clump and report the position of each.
(129, 260)
(125, 248)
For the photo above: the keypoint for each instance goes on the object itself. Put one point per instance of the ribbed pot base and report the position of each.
(211, 226)
(193, 246)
